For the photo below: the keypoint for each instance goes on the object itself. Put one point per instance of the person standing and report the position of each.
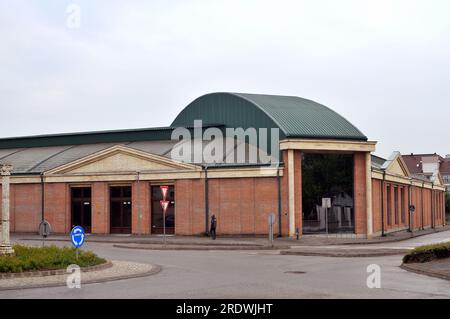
(212, 231)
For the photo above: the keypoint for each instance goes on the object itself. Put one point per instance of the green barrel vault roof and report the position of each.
(294, 116)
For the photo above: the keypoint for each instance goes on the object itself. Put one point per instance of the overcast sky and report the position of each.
(384, 65)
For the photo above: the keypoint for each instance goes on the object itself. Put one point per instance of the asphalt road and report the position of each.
(247, 274)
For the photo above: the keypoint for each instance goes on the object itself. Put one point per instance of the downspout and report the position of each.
(409, 207)
(206, 202)
(423, 226)
(382, 204)
(279, 199)
(432, 206)
(411, 223)
(42, 197)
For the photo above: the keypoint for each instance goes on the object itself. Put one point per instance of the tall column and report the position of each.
(5, 245)
(291, 184)
(369, 195)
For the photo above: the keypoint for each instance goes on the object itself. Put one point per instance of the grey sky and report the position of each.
(384, 65)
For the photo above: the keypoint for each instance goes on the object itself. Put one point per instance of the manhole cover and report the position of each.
(296, 272)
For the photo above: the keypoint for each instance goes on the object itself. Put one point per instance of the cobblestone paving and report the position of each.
(119, 270)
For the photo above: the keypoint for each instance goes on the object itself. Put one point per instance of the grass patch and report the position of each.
(428, 253)
(28, 258)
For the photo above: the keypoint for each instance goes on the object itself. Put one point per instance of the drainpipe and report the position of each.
(411, 221)
(423, 226)
(279, 199)
(432, 206)
(206, 202)
(382, 204)
(42, 197)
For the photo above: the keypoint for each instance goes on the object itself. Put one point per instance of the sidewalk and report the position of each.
(232, 243)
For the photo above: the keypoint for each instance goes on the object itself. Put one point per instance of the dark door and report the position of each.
(81, 207)
(157, 211)
(327, 193)
(120, 209)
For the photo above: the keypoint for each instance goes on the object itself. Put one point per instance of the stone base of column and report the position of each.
(6, 250)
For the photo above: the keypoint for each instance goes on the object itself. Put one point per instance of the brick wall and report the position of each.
(241, 205)
(360, 192)
(140, 199)
(25, 207)
(100, 208)
(421, 218)
(57, 207)
(376, 205)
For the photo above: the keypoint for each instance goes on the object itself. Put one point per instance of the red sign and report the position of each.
(164, 191)
(164, 205)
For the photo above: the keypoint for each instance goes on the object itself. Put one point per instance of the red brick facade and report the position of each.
(428, 213)
(241, 204)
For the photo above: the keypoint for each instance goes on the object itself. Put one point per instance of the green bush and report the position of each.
(428, 253)
(46, 258)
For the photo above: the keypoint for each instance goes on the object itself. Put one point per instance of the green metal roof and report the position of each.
(294, 116)
(109, 136)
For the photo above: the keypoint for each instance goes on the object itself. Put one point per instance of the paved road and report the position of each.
(233, 274)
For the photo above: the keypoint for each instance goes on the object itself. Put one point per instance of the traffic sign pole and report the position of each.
(271, 222)
(77, 237)
(164, 226)
(164, 205)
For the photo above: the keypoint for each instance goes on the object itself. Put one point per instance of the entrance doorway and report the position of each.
(81, 208)
(120, 209)
(157, 211)
(327, 193)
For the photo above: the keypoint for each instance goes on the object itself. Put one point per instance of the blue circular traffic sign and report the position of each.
(77, 236)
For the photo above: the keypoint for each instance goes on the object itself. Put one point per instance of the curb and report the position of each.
(285, 244)
(424, 272)
(343, 254)
(137, 242)
(55, 272)
(197, 247)
(155, 270)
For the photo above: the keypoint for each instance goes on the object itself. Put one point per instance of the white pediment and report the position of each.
(397, 169)
(396, 165)
(118, 159)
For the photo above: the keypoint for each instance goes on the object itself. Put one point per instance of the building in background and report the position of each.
(321, 178)
(426, 165)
